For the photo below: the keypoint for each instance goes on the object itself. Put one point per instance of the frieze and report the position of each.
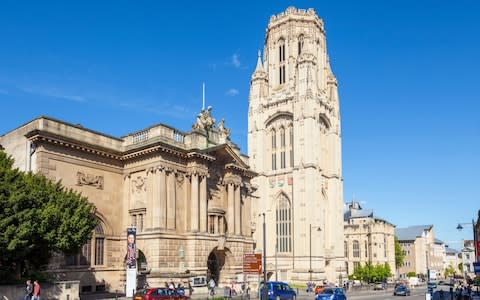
(139, 184)
(88, 179)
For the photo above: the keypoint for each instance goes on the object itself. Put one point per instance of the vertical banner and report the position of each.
(477, 246)
(131, 248)
(131, 260)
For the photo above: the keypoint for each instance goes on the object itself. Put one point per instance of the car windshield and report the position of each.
(327, 291)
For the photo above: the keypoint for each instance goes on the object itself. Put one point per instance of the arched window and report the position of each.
(281, 60)
(274, 149)
(300, 44)
(282, 148)
(345, 249)
(366, 249)
(290, 133)
(84, 256)
(356, 249)
(283, 217)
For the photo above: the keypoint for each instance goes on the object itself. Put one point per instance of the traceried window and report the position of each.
(99, 244)
(281, 54)
(282, 148)
(274, 149)
(290, 133)
(356, 249)
(283, 216)
(300, 44)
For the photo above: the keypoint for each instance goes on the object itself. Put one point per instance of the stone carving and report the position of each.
(87, 179)
(224, 132)
(139, 184)
(204, 120)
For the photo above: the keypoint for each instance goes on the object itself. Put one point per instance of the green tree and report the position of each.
(38, 218)
(449, 271)
(411, 274)
(399, 254)
(460, 267)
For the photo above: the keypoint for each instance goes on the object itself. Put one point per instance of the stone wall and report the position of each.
(60, 290)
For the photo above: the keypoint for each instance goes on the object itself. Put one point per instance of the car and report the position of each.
(401, 290)
(432, 285)
(278, 290)
(159, 294)
(378, 286)
(331, 293)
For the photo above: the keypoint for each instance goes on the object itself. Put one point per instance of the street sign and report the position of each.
(252, 263)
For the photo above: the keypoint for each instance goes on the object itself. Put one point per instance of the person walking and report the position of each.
(211, 286)
(36, 290)
(28, 290)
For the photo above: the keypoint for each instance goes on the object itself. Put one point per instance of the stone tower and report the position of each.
(294, 144)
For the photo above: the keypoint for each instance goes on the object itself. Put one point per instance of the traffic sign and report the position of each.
(252, 263)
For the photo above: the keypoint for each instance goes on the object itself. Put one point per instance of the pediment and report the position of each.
(227, 155)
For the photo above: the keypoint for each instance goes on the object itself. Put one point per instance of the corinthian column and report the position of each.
(126, 200)
(203, 203)
(230, 208)
(238, 213)
(162, 216)
(194, 203)
(171, 200)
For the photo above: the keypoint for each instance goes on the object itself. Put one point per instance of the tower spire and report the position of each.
(259, 62)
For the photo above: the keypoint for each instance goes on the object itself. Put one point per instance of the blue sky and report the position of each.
(407, 72)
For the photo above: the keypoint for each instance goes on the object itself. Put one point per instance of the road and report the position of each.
(417, 294)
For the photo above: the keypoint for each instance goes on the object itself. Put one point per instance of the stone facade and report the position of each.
(294, 144)
(416, 242)
(368, 239)
(188, 194)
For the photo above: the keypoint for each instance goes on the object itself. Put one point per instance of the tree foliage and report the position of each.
(38, 218)
(399, 254)
(411, 274)
(370, 273)
(449, 271)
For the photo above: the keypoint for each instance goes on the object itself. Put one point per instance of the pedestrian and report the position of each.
(28, 290)
(190, 289)
(211, 286)
(36, 290)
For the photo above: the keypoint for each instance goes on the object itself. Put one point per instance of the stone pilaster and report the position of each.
(171, 199)
(194, 203)
(238, 212)
(203, 203)
(230, 208)
(162, 183)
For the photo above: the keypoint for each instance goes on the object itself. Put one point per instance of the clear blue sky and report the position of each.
(408, 75)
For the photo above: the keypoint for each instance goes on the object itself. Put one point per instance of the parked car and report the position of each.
(401, 290)
(378, 286)
(159, 294)
(432, 285)
(278, 290)
(331, 293)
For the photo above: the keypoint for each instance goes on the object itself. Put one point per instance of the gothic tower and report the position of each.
(294, 144)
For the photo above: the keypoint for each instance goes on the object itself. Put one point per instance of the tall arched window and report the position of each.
(290, 133)
(356, 249)
(84, 256)
(300, 44)
(282, 148)
(366, 249)
(345, 249)
(283, 216)
(274, 149)
(281, 60)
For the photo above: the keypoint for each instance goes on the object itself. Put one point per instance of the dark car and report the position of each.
(278, 290)
(159, 294)
(401, 290)
(331, 293)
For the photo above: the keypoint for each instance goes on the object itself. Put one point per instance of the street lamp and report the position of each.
(310, 270)
(460, 227)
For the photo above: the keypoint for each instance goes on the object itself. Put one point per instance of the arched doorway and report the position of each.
(215, 263)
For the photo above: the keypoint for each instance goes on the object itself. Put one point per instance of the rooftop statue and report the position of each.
(204, 120)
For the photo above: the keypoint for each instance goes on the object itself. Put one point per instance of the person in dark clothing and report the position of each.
(28, 290)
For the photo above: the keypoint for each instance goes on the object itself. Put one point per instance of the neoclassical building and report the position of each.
(187, 193)
(294, 144)
(368, 239)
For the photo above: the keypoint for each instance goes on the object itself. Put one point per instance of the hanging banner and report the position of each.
(131, 248)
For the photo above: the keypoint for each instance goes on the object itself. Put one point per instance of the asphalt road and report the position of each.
(416, 294)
